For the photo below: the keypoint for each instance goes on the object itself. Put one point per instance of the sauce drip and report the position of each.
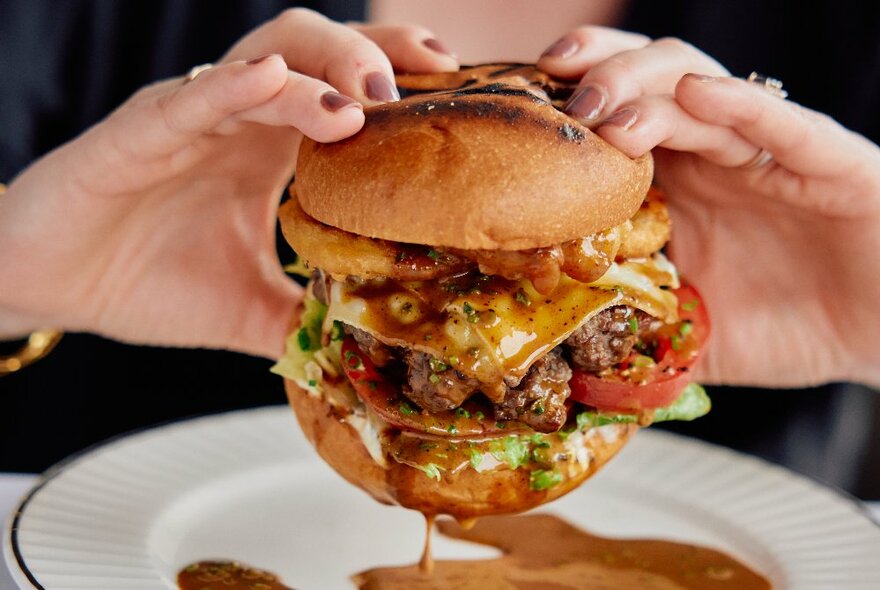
(543, 551)
(426, 563)
(226, 575)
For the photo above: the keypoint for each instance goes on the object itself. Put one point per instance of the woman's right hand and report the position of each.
(157, 225)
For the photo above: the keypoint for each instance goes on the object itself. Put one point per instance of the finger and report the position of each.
(411, 48)
(654, 69)
(801, 140)
(312, 106)
(170, 115)
(320, 48)
(576, 52)
(659, 121)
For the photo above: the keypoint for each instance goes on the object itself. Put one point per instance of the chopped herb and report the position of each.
(442, 455)
(434, 378)
(462, 413)
(642, 360)
(313, 383)
(476, 458)
(453, 360)
(302, 337)
(433, 255)
(480, 415)
(473, 316)
(686, 328)
(437, 365)
(406, 409)
(337, 332)
(690, 305)
(537, 409)
(675, 342)
(521, 297)
(511, 450)
(432, 470)
(500, 425)
(565, 433)
(538, 440)
(452, 429)
(542, 479)
(353, 360)
(633, 325)
(401, 256)
(427, 446)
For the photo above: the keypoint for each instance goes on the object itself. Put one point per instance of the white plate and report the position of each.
(247, 486)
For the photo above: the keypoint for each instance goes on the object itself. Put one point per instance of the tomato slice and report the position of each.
(385, 398)
(647, 381)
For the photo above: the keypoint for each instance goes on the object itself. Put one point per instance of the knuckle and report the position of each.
(676, 44)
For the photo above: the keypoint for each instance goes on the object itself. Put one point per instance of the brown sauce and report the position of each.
(543, 551)
(540, 552)
(226, 575)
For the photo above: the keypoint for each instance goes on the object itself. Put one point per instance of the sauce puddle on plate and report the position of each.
(540, 551)
(543, 551)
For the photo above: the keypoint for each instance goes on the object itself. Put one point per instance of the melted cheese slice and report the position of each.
(501, 333)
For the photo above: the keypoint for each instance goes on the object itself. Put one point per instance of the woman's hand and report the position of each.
(786, 254)
(158, 225)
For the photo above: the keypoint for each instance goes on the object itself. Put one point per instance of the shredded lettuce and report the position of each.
(298, 267)
(690, 405)
(298, 362)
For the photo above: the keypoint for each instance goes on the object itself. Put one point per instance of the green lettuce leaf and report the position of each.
(302, 345)
(691, 404)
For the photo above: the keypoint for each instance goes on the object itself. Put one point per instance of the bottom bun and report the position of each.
(466, 493)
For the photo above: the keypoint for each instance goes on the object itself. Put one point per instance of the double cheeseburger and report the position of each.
(489, 315)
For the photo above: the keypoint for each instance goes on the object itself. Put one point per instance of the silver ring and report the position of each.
(194, 72)
(762, 158)
(771, 85)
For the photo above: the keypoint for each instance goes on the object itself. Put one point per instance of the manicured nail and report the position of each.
(438, 47)
(562, 49)
(701, 77)
(256, 60)
(586, 104)
(378, 87)
(624, 118)
(333, 101)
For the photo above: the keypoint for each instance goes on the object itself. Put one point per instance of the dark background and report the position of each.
(65, 64)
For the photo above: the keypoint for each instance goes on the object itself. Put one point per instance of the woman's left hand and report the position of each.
(783, 249)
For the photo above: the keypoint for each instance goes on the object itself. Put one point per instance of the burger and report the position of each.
(489, 314)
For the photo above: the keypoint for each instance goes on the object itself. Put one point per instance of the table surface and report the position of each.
(13, 486)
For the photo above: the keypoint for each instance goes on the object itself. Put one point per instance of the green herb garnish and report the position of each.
(521, 297)
(432, 470)
(303, 339)
(476, 458)
(462, 413)
(406, 409)
(480, 415)
(542, 479)
(434, 378)
(433, 255)
(312, 383)
(685, 329)
(633, 325)
(690, 305)
(337, 331)
(437, 366)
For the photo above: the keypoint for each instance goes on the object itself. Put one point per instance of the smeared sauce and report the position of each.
(426, 563)
(226, 575)
(543, 551)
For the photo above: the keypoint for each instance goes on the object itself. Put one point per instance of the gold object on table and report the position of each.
(39, 344)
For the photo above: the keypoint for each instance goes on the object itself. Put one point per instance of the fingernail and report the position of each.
(256, 60)
(624, 118)
(701, 77)
(333, 101)
(378, 87)
(562, 48)
(438, 47)
(586, 104)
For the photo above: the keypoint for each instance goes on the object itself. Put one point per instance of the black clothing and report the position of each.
(65, 64)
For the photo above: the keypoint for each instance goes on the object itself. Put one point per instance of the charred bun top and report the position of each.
(477, 159)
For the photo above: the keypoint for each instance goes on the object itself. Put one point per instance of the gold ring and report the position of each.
(771, 85)
(38, 345)
(195, 71)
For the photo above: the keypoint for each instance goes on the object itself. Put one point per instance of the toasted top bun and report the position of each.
(491, 164)
(466, 494)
